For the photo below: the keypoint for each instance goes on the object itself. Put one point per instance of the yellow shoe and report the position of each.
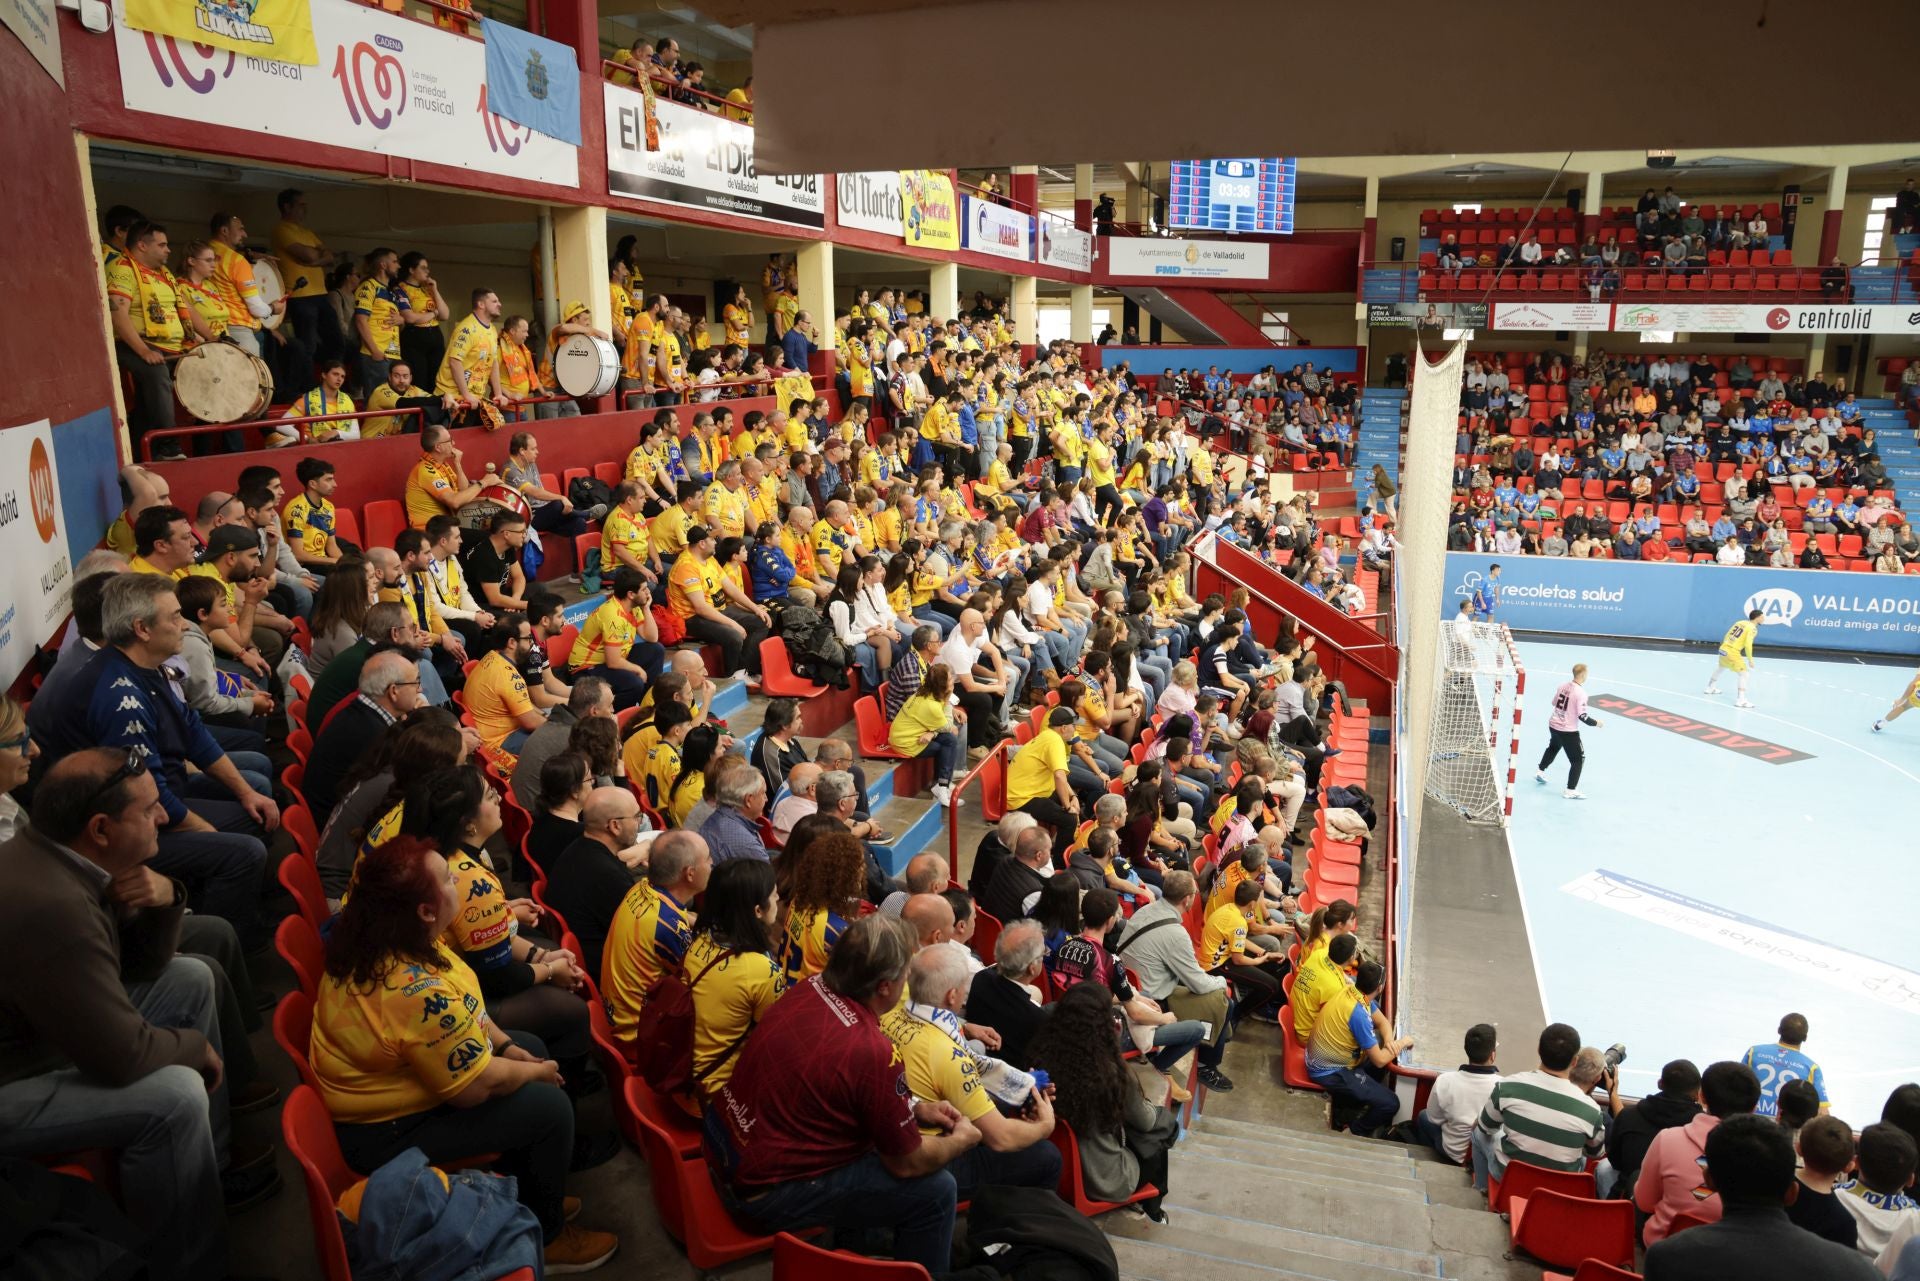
(579, 1249)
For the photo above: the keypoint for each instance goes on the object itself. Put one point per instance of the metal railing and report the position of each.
(665, 86)
(1413, 283)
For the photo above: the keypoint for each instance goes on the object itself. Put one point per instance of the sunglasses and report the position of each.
(134, 765)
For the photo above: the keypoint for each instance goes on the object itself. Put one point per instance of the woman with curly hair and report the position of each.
(454, 1085)
(827, 880)
(598, 739)
(1123, 1138)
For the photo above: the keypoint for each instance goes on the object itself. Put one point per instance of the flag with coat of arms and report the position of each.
(532, 81)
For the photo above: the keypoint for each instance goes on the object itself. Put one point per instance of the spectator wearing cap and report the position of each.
(1749, 1165)
(255, 636)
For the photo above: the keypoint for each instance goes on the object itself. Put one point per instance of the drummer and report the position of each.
(575, 318)
(234, 281)
(471, 371)
(149, 325)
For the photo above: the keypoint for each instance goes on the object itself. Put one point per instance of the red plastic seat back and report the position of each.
(300, 878)
(293, 1032)
(309, 1134)
(1568, 1230)
(299, 945)
(1521, 1179)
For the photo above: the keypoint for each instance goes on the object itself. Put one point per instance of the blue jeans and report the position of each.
(1356, 1086)
(1064, 647)
(928, 614)
(1037, 1166)
(859, 1196)
(167, 1132)
(556, 409)
(1431, 1134)
(868, 660)
(223, 868)
(514, 741)
(1171, 1041)
(1487, 1161)
(302, 598)
(1111, 753)
(949, 753)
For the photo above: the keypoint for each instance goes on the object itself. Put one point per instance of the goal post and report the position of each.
(1472, 752)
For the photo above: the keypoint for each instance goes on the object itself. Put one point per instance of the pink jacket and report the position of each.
(1672, 1178)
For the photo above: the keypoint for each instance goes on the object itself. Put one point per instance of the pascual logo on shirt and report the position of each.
(1776, 605)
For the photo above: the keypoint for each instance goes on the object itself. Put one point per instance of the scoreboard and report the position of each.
(1238, 195)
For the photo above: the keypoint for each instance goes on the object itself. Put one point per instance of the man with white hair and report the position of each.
(799, 800)
(1013, 1149)
(389, 688)
(1021, 878)
(733, 829)
(995, 848)
(837, 794)
(1006, 995)
(926, 874)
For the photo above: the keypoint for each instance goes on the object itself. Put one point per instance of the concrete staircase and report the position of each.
(1382, 429)
(1894, 440)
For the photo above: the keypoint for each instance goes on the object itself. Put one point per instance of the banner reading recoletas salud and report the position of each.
(994, 229)
(1185, 259)
(869, 200)
(1799, 608)
(384, 84)
(36, 576)
(931, 213)
(1064, 245)
(704, 162)
(279, 29)
(532, 81)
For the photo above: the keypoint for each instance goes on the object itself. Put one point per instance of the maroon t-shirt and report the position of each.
(818, 1086)
(1034, 525)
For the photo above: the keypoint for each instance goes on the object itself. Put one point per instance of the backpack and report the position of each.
(663, 1036)
(812, 648)
(588, 492)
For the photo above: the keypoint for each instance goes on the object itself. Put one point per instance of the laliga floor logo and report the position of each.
(1779, 318)
(1776, 605)
(40, 490)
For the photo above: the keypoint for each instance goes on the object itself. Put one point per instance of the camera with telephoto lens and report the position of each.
(1616, 1055)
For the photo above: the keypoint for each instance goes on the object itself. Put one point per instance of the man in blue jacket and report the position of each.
(213, 819)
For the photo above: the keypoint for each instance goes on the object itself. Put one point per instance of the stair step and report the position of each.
(1177, 1252)
(1353, 1211)
(1275, 1156)
(1312, 1173)
(1254, 1241)
(1346, 1148)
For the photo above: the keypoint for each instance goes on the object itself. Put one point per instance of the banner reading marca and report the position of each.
(36, 579)
(277, 29)
(998, 230)
(1799, 608)
(384, 85)
(931, 211)
(704, 162)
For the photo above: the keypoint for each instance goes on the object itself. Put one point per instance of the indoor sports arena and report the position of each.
(829, 644)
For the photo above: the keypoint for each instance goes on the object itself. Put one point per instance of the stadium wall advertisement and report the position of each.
(1800, 608)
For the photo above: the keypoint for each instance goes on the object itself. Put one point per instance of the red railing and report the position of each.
(999, 759)
(269, 424)
(665, 86)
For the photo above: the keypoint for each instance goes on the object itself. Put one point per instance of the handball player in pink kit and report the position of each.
(1569, 714)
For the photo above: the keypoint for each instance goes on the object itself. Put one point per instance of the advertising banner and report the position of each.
(932, 213)
(1800, 608)
(383, 85)
(36, 576)
(870, 201)
(1186, 259)
(995, 229)
(533, 81)
(282, 30)
(1763, 318)
(1553, 315)
(33, 21)
(704, 162)
(1064, 245)
(1427, 315)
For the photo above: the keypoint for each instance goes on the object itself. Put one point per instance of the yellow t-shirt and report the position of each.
(385, 397)
(206, 301)
(641, 328)
(517, 375)
(209, 571)
(484, 927)
(413, 1040)
(1094, 704)
(738, 322)
(120, 536)
(649, 934)
(429, 477)
(319, 401)
(609, 627)
(886, 529)
(233, 281)
(667, 532)
(1318, 982)
(302, 281)
(476, 345)
(1225, 936)
(153, 299)
(684, 795)
(688, 577)
(1100, 461)
(918, 715)
(729, 999)
(621, 530)
(811, 934)
(937, 1066)
(307, 527)
(381, 306)
(496, 694)
(1069, 445)
(763, 502)
(829, 545)
(662, 767)
(1034, 765)
(726, 511)
(622, 300)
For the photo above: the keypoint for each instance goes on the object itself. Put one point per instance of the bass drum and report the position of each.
(586, 366)
(494, 495)
(266, 275)
(216, 382)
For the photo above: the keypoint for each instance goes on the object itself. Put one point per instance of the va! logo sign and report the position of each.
(40, 491)
(1776, 605)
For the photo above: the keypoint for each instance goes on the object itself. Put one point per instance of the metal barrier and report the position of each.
(266, 424)
(1001, 752)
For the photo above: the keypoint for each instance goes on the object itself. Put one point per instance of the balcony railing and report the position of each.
(1400, 282)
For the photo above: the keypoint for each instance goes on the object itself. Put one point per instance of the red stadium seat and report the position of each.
(1521, 1179)
(1566, 1230)
(796, 1260)
(872, 729)
(386, 518)
(1593, 1270)
(299, 878)
(1073, 1188)
(298, 820)
(293, 1032)
(690, 1209)
(1293, 1063)
(298, 944)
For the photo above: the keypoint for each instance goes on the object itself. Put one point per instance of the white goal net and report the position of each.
(1473, 739)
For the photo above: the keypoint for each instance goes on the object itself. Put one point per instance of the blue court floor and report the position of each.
(1728, 866)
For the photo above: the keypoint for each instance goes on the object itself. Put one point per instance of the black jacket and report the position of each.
(336, 750)
(1634, 1128)
(1004, 1006)
(1754, 1245)
(585, 885)
(1006, 897)
(986, 861)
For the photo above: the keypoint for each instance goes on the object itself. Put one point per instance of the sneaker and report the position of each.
(1332, 752)
(1743, 703)
(579, 1249)
(741, 676)
(1710, 690)
(942, 795)
(1216, 1080)
(1572, 795)
(245, 1189)
(1155, 1214)
(574, 579)
(1539, 776)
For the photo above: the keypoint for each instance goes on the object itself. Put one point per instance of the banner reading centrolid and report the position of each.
(932, 218)
(998, 230)
(277, 29)
(1188, 259)
(392, 86)
(1760, 318)
(36, 579)
(704, 162)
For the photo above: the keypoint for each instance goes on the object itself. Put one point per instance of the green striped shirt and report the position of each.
(1544, 1120)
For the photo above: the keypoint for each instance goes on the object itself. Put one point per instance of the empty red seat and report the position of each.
(1567, 1230)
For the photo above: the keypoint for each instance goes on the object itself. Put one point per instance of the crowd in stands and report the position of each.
(1709, 459)
(658, 66)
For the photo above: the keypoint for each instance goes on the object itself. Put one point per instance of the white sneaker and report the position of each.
(1878, 726)
(739, 675)
(1540, 776)
(942, 795)
(1709, 690)
(1572, 795)
(1743, 703)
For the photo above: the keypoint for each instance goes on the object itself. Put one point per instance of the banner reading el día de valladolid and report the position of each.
(1800, 608)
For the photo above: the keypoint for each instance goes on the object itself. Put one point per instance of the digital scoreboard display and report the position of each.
(1240, 195)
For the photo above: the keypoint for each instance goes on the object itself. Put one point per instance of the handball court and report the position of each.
(1727, 867)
